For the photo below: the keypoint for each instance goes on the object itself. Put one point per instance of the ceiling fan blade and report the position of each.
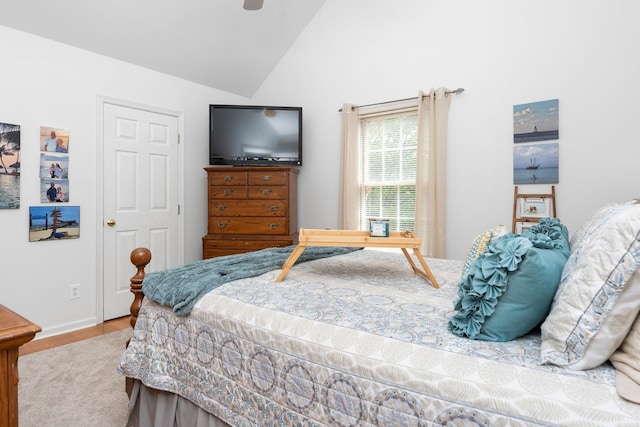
(252, 4)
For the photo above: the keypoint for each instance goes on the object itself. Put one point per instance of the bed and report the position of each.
(357, 339)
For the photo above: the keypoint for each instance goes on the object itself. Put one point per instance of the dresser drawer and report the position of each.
(216, 252)
(267, 178)
(248, 225)
(227, 192)
(227, 178)
(247, 208)
(214, 247)
(267, 192)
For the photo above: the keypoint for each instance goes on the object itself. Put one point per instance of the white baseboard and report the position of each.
(67, 327)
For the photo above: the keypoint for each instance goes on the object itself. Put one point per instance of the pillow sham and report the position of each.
(589, 225)
(510, 287)
(597, 299)
(479, 246)
(625, 360)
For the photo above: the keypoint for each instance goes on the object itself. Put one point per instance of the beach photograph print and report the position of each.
(54, 191)
(54, 140)
(536, 121)
(54, 166)
(535, 164)
(54, 223)
(9, 166)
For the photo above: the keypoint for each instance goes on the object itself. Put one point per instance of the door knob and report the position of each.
(111, 222)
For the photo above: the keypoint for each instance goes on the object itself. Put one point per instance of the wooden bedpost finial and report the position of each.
(140, 257)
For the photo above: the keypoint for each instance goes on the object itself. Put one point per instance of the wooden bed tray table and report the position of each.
(351, 238)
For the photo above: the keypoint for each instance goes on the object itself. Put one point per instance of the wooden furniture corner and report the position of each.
(15, 331)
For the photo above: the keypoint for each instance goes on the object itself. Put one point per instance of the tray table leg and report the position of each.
(426, 271)
(290, 261)
(408, 257)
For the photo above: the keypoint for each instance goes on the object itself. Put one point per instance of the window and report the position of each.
(388, 159)
(394, 164)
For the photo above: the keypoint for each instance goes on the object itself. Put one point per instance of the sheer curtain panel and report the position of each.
(431, 177)
(349, 205)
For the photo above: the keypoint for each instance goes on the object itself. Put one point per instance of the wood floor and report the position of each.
(82, 334)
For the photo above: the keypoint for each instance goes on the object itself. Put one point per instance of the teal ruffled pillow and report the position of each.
(510, 287)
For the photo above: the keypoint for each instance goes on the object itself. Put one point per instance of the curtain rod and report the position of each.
(449, 92)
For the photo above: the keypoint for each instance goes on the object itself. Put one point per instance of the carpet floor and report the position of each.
(75, 385)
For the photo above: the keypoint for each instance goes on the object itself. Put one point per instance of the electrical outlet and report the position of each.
(75, 291)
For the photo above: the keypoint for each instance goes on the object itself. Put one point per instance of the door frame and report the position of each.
(100, 227)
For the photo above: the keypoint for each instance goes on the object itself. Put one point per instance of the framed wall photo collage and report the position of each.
(55, 220)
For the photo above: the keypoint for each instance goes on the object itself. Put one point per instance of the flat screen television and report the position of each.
(255, 135)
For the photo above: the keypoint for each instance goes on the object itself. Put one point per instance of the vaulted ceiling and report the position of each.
(216, 43)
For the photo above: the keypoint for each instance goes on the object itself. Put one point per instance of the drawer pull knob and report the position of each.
(267, 178)
(274, 208)
(266, 192)
(228, 178)
(228, 192)
(221, 207)
(221, 224)
(274, 225)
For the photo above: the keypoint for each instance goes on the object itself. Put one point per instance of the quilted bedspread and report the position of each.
(358, 340)
(182, 287)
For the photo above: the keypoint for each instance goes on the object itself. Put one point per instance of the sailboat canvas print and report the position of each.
(535, 164)
(535, 121)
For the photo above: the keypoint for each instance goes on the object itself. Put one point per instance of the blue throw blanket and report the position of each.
(181, 287)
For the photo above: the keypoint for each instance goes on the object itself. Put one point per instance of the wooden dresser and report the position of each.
(15, 330)
(250, 208)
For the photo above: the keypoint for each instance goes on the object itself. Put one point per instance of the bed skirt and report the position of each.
(154, 408)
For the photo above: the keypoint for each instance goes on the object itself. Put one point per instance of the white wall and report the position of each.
(43, 83)
(504, 53)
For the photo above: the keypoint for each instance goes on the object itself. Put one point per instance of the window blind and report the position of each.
(388, 161)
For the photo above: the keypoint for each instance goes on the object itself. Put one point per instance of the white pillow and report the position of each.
(597, 300)
(589, 225)
(627, 364)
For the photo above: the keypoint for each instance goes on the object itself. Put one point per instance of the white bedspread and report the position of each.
(358, 340)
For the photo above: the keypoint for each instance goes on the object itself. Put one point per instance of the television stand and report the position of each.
(354, 239)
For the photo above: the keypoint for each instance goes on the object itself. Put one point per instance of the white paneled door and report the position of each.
(140, 197)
